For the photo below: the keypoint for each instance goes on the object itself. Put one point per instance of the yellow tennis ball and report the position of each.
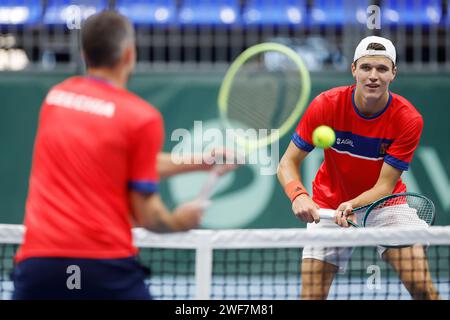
(323, 137)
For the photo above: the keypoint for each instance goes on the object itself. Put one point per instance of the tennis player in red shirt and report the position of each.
(96, 167)
(377, 133)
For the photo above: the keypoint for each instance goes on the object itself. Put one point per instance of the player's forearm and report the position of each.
(167, 222)
(168, 166)
(149, 212)
(371, 195)
(162, 221)
(156, 219)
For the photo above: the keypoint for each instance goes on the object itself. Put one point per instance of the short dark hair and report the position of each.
(103, 38)
(376, 46)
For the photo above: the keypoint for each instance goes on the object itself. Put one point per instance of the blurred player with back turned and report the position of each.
(377, 133)
(96, 166)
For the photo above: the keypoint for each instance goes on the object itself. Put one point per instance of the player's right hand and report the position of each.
(188, 215)
(305, 209)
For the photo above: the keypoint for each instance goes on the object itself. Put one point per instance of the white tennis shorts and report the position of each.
(393, 216)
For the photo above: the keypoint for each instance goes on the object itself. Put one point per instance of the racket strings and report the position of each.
(257, 110)
(405, 210)
(263, 98)
(244, 106)
(257, 100)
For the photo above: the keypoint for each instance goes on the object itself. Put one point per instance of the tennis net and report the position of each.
(265, 263)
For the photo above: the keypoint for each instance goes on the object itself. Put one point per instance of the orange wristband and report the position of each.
(293, 189)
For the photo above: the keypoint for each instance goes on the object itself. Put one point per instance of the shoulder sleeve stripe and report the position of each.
(396, 163)
(143, 186)
(301, 144)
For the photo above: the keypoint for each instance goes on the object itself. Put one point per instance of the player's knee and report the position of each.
(314, 291)
(424, 294)
(313, 296)
(422, 290)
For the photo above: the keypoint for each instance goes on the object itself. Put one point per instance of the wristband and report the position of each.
(293, 189)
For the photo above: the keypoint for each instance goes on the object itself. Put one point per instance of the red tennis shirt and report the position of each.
(353, 164)
(94, 143)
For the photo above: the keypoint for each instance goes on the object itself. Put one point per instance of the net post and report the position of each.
(203, 272)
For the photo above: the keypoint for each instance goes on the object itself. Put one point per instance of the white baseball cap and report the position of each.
(362, 51)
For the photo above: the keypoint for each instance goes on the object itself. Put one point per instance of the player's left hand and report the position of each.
(221, 160)
(344, 212)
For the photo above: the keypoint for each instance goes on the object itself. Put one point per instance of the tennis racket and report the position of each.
(267, 87)
(403, 209)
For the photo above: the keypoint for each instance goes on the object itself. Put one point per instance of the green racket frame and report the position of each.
(234, 68)
(373, 205)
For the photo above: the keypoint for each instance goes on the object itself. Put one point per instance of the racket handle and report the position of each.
(327, 214)
(208, 187)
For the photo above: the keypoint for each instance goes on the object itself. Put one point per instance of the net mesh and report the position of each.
(266, 264)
